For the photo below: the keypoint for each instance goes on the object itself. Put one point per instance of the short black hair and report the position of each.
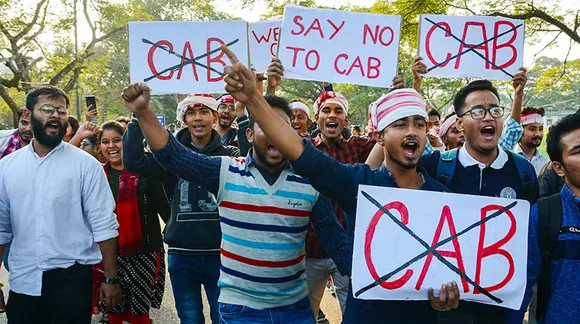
(48, 91)
(111, 125)
(476, 85)
(434, 112)
(74, 124)
(533, 110)
(20, 113)
(123, 119)
(564, 126)
(274, 102)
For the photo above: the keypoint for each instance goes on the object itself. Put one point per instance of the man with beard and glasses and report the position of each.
(193, 232)
(401, 130)
(226, 116)
(533, 123)
(264, 213)
(56, 208)
(15, 139)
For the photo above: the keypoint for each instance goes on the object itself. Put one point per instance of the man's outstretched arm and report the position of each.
(241, 84)
(172, 155)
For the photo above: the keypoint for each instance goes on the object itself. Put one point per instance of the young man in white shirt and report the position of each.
(56, 210)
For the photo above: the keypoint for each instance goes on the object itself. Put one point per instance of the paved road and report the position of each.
(167, 314)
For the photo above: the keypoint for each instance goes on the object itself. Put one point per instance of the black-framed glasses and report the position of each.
(47, 110)
(478, 113)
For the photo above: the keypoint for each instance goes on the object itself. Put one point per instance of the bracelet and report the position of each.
(111, 281)
(262, 79)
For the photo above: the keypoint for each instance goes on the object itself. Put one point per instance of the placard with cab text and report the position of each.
(471, 46)
(184, 57)
(339, 46)
(432, 238)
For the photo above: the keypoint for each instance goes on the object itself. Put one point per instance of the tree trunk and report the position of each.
(14, 107)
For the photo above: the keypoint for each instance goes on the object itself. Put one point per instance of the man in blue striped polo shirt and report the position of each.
(401, 129)
(265, 212)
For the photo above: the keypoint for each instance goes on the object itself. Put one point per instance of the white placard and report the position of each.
(161, 54)
(493, 254)
(339, 46)
(445, 44)
(264, 38)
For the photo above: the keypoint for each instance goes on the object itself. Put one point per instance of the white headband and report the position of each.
(195, 101)
(301, 106)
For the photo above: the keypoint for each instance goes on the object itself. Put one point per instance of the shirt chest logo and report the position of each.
(508, 192)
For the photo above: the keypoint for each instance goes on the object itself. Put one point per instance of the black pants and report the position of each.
(66, 298)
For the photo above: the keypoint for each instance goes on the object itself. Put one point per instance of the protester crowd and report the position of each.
(259, 197)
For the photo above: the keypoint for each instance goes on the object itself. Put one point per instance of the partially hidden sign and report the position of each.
(427, 239)
(184, 57)
(471, 46)
(339, 46)
(264, 38)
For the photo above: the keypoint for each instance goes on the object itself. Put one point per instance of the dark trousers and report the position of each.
(66, 298)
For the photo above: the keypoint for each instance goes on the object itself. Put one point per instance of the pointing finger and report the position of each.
(233, 58)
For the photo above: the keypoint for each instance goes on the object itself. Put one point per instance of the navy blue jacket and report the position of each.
(340, 183)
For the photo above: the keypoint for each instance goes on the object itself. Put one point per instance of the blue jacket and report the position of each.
(565, 295)
(340, 183)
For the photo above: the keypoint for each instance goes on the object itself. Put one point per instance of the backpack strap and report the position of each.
(446, 167)
(523, 168)
(549, 224)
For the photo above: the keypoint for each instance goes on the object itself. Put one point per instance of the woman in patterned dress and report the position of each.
(141, 258)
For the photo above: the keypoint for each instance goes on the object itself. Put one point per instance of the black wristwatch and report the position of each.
(262, 79)
(111, 281)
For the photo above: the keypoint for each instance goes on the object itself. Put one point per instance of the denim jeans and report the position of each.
(298, 313)
(188, 273)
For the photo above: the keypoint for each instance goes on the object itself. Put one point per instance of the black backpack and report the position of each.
(549, 226)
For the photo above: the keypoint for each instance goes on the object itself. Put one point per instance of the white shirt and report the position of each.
(467, 160)
(53, 210)
(538, 161)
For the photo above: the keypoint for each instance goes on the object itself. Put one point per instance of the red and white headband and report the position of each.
(330, 97)
(532, 119)
(195, 101)
(397, 104)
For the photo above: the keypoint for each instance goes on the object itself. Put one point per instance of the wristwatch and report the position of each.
(111, 281)
(262, 79)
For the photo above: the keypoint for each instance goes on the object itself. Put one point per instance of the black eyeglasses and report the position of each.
(47, 110)
(478, 113)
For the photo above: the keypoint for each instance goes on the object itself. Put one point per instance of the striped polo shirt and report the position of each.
(263, 235)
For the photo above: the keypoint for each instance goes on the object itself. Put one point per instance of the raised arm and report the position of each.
(519, 82)
(274, 75)
(418, 68)
(172, 155)
(134, 157)
(241, 84)
(86, 130)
